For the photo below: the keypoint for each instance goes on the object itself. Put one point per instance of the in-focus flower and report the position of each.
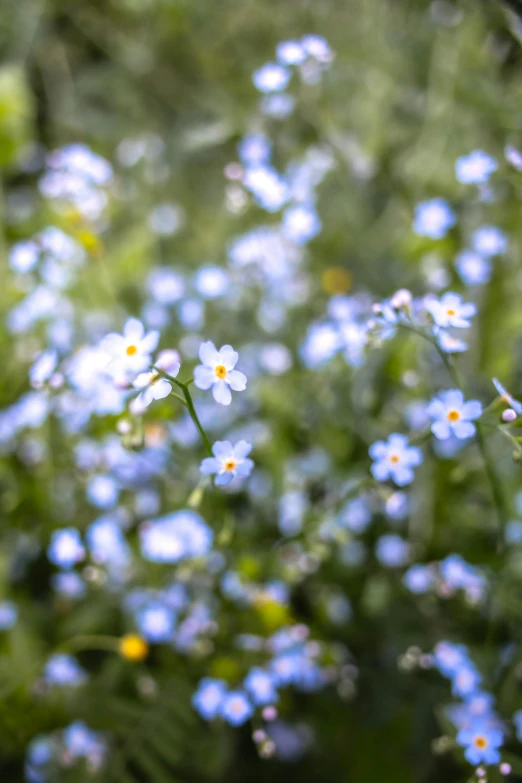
(217, 371)
(481, 741)
(433, 218)
(450, 310)
(228, 461)
(395, 459)
(475, 168)
(451, 415)
(129, 353)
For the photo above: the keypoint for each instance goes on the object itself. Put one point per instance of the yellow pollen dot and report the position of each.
(131, 350)
(480, 742)
(395, 458)
(133, 647)
(450, 312)
(453, 415)
(230, 464)
(221, 371)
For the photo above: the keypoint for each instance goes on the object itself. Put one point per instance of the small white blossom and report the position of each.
(217, 371)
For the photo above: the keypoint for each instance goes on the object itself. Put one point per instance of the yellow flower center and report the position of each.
(395, 458)
(221, 371)
(480, 742)
(453, 415)
(131, 350)
(451, 311)
(133, 647)
(230, 465)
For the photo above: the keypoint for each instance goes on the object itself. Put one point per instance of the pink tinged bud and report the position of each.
(509, 415)
(168, 361)
(401, 298)
(270, 713)
(505, 769)
(259, 736)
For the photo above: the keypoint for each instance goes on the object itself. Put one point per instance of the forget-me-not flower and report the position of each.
(451, 415)
(433, 218)
(395, 459)
(450, 310)
(217, 371)
(228, 461)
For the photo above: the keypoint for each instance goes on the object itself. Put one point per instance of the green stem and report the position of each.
(91, 642)
(187, 400)
(494, 483)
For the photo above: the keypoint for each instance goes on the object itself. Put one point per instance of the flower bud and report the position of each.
(509, 415)
(401, 299)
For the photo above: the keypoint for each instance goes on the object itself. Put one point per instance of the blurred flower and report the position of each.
(475, 168)
(433, 218)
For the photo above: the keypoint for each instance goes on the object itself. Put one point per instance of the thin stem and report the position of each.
(195, 419)
(187, 400)
(91, 642)
(494, 483)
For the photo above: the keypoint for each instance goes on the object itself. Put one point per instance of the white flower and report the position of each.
(217, 370)
(129, 353)
(153, 387)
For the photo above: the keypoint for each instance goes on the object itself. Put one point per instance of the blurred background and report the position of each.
(163, 90)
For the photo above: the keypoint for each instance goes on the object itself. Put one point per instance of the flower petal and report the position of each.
(228, 357)
(223, 449)
(242, 449)
(441, 429)
(161, 389)
(222, 479)
(209, 465)
(133, 330)
(222, 393)
(463, 429)
(150, 342)
(208, 354)
(204, 376)
(471, 410)
(236, 380)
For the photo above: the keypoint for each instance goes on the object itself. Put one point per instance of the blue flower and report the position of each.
(228, 461)
(481, 741)
(236, 708)
(63, 669)
(271, 77)
(489, 241)
(300, 224)
(217, 371)
(261, 686)
(155, 622)
(66, 548)
(418, 579)
(395, 459)
(255, 148)
(175, 536)
(451, 415)
(466, 680)
(208, 698)
(433, 218)
(473, 268)
(475, 168)
(8, 615)
(391, 550)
